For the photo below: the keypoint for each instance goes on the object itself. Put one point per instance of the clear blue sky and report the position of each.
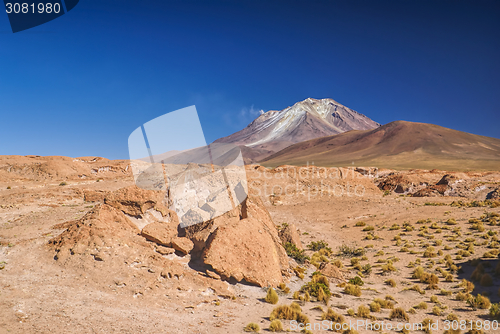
(79, 85)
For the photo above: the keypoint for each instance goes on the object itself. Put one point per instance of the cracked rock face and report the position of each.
(242, 244)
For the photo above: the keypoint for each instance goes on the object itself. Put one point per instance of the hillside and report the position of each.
(400, 144)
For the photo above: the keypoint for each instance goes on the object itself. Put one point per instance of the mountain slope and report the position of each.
(305, 120)
(396, 145)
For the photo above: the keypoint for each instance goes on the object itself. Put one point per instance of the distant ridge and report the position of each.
(399, 145)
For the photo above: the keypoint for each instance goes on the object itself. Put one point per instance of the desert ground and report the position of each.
(83, 250)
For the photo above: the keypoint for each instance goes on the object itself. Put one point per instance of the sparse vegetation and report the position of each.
(252, 327)
(353, 290)
(276, 326)
(272, 296)
(400, 314)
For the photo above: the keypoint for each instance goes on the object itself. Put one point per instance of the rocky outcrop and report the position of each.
(289, 234)
(135, 201)
(242, 244)
(94, 195)
(397, 183)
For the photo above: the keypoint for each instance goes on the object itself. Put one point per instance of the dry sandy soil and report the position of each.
(129, 286)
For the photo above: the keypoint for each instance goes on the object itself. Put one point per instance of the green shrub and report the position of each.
(318, 245)
(495, 311)
(252, 327)
(356, 281)
(318, 287)
(421, 306)
(480, 301)
(276, 326)
(295, 253)
(272, 296)
(368, 228)
(63, 184)
(363, 312)
(375, 307)
(350, 251)
(331, 315)
(399, 313)
(360, 224)
(353, 290)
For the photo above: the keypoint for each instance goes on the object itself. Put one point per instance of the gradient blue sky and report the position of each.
(79, 85)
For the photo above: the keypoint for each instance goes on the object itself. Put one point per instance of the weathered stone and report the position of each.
(289, 234)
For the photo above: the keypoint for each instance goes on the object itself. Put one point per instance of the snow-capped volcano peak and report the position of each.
(308, 119)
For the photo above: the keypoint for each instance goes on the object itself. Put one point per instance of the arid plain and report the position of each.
(84, 250)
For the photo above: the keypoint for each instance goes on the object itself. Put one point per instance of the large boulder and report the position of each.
(289, 234)
(243, 244)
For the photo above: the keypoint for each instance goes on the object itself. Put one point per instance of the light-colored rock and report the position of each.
(289, 234)
(183, 245)
(331, 271)
(245, 245)
(161, 233)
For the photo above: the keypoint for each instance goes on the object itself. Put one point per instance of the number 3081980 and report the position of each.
(31, 8)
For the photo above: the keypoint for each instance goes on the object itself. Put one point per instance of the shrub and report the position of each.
(388, 267)
(375, 307)
(318, 245)
(418, 272)
(296, 307)
(350, 251)
(417, 289)
(63, 184)
(436, 310)
(495, 311)
(427, 324)
(486, 280)
(331, 315)
(295, 253)
(318, 287)
(421, 306)
(480, 301)
(462, 296)
(467, 285)
(353, 290)
(384, 303)
(350, 312)
(252, 327)
(276, 326)
(399, 313)
(284, 288)
(366, 269)
(363, 312)
(360, 224)
(446, 292)
(271, 296)
(391, 282)
(337, 263)
(356, 281)
(283, 312)
(368, 228)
